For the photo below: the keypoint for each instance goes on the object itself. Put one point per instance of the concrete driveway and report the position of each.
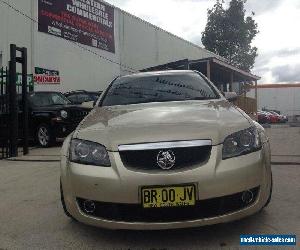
(31, 216)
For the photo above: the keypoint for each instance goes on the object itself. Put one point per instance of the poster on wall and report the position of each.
(89, 22)
(46, 76)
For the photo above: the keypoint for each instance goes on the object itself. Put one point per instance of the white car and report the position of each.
(164, 150)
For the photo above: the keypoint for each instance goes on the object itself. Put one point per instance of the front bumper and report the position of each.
(62, 129)
(118, 185)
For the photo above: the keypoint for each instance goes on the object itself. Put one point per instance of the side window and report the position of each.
(73, 98)
(83, 98)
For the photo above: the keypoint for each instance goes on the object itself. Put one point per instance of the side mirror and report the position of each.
(231, 96)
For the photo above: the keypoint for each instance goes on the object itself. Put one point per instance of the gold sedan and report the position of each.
(164, 150)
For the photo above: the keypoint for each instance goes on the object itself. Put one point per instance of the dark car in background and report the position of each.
(269, 116)
(51, 116)
(280, 118)
(263, 117)
(272, 117)
(81, 96)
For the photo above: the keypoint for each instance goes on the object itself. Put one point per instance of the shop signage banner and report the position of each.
(19, 79)
(29, 79)
(89, 22)
(46, 76)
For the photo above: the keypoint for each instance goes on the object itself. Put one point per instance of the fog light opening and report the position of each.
(247, 196)
(89, 206)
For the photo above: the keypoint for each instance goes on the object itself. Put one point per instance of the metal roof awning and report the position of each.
(224, 75)
(176, 65)
(218, 67)
(218, 71)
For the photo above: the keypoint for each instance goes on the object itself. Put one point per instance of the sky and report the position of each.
(278, 41)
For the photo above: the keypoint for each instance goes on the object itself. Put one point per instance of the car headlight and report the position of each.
(241, 142)
(88, 153)
(64, 114)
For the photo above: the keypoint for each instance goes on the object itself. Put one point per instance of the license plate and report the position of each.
(172, 196)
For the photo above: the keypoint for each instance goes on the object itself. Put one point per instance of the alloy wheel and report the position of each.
(43, 136)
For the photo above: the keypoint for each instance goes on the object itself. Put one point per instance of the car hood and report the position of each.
(157, 122)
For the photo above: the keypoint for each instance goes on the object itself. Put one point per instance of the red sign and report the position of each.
(89, 22)
(44, 79)
(46, 76)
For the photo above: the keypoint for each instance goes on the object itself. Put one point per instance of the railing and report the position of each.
(14, 104)
(249, 105)
(4, 113)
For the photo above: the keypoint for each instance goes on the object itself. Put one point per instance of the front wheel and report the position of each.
(44, 136)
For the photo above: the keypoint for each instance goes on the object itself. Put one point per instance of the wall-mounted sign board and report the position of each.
(89, 22)
(46, 76)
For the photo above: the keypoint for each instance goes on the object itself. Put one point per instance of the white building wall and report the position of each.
(138, 45)
(14, 27)
(286, 100)
(145, 45)
(171, 48)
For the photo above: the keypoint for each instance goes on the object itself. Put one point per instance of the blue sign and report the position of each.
(267, 240)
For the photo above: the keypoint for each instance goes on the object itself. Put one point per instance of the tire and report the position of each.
(44, 136)
(62, 199)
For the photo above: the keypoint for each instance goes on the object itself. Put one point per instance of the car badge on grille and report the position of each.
(165, 159)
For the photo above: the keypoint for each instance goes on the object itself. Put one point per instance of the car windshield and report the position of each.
(48, 99)
(159, 88)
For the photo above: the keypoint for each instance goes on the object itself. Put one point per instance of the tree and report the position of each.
(229, 33)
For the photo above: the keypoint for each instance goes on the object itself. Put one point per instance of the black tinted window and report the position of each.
(84, 98)
(72, 98)
(158, 88)
(47, 99)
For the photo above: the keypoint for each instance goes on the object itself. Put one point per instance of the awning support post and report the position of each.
(256, 95)
(208, 69)
(231, 81)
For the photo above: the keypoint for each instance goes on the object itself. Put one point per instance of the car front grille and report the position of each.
(203, 209)
(147, 159)
(77, 115)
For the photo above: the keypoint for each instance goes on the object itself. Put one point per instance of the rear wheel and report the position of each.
(44, 136)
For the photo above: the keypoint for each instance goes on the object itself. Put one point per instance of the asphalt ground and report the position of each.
(31, 215)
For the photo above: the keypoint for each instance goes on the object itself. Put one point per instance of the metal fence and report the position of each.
(4, 113)
(14, 105)
(249, 105)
